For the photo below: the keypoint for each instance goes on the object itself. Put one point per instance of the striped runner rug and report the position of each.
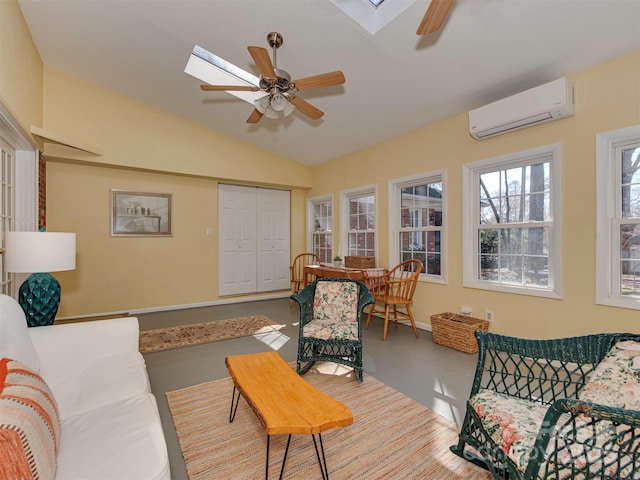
(205, 332)
(392, 436)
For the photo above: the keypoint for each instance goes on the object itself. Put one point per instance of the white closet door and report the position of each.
(273, 239)
(237, 237)
(254, 243)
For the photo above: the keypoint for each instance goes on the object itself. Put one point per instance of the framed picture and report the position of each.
(140, 214)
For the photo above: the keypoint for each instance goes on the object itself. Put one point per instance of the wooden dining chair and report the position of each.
(297, 270)
(392, 292)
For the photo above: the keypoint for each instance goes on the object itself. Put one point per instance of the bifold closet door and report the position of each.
(237, 239)
(254, 229)
(273, 239)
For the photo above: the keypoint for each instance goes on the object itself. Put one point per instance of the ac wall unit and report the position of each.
(545, 103)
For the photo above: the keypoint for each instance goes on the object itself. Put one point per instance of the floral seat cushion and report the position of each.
(512, 423)
(335, 312)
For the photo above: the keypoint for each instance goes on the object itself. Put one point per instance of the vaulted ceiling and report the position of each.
(396, 81)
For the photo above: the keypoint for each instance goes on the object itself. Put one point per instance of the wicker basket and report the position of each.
(456, 331)
(360, 261)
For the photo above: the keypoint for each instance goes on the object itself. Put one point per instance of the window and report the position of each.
(359, 221)
(511, 226)
(618, 218)
(320, 228)
(6, 202)
(418, 223)
(18, 187)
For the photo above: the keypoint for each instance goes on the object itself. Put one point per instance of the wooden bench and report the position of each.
(284, 402)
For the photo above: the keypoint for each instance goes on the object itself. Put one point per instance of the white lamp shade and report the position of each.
(31, 252)
(262, 103)
(288, 109)
(278, 102)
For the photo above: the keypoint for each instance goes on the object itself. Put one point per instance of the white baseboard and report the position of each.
(165, 308)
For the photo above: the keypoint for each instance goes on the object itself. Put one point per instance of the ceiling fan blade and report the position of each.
(255, 116)
(434, 17)
(306, 108)
(263, 61)
(323, 80)
(240, 88)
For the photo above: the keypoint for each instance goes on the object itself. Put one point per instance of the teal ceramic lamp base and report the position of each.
(39, 297)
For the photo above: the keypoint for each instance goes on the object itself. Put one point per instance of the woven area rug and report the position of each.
(392, 437)
(198, 333)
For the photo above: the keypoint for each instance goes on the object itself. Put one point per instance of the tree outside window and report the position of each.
(514, 205)
(512, 222)
(629, 158)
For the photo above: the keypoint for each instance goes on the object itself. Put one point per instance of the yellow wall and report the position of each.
(607, 98)
(116, 274)
(20, 68)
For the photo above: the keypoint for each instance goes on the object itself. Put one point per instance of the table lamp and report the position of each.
(39, 253)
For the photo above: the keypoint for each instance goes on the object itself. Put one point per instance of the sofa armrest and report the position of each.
(586, 440)
(60, 344)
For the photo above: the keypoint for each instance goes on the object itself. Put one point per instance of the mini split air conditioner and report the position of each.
(545, 103)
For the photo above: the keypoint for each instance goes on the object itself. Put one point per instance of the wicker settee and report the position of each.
(555, 409)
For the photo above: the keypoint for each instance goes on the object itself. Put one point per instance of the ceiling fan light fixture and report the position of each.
(278, 102)
(271, 113)
(288, 108)
(262, 104)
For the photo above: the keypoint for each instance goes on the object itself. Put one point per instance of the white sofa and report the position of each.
(108, 426)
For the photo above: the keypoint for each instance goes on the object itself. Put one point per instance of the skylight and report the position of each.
(373, 15)
(229, 67)
(214, 70)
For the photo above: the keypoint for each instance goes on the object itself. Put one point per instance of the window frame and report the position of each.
(471, 214)
(395, 220)
(608, 220)
(23, 193)
(311, 232)
(345, 230)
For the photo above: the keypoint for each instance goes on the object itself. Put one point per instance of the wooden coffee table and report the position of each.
(284, 402)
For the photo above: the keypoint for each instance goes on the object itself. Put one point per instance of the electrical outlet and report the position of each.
(488, 315)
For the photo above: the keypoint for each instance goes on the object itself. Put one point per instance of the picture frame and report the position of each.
(141, 214)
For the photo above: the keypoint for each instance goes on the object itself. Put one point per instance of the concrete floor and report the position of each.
(438, 377)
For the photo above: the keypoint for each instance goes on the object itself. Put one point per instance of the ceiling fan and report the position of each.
(279, 88)
(434, 17)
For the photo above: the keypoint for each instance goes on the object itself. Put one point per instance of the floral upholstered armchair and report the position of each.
(555, 409)
(331, 323)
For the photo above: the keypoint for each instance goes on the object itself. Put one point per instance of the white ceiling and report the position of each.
(396, 81)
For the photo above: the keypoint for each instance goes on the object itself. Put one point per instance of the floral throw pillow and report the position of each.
(614, 381)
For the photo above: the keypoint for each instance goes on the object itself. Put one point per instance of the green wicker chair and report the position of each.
(572, 437)
(331, 323)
